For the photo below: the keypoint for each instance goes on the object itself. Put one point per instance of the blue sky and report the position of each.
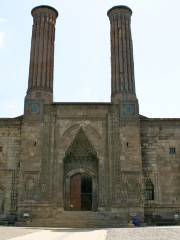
(82, 53)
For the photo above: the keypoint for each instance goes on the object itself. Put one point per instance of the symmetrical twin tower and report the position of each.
(87, 164)
(40, 85)
(85, 156)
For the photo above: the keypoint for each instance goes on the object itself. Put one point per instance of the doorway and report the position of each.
(81, 192)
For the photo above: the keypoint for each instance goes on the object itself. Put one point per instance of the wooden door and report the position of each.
(75, 192)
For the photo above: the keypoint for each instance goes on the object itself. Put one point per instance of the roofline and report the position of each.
(81, 103)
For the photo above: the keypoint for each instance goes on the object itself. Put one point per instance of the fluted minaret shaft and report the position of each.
(42, 53)
(122, 63)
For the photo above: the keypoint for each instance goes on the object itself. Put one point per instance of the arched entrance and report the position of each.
(80, 175)
(81, 191)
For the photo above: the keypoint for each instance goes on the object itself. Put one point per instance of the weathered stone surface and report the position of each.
(119, 150)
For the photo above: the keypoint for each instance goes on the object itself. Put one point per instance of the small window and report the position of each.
(1, 148)
(149, 190)
(172, 150)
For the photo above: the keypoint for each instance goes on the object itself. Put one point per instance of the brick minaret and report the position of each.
(40, 84)
(122, 64)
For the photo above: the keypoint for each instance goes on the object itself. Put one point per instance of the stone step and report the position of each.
(75, 225)
(79, 219)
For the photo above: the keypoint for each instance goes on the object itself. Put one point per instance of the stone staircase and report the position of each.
(80, 219)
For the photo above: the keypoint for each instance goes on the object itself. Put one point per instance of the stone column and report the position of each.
(122, 64)
(40, 84)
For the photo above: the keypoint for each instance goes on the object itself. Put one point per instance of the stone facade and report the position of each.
(124, 164)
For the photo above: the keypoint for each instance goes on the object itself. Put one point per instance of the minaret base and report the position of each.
(128, 103)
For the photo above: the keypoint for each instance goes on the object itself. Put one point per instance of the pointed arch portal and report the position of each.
(80, 175)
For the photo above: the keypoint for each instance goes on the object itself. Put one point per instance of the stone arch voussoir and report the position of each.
(92, 134)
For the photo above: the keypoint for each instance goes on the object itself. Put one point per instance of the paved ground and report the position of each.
(12, 232)
(148, 233)
(51, 234)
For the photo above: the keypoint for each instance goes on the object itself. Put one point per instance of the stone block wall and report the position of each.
(9, 163)
(160, 140)
(62, 124)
